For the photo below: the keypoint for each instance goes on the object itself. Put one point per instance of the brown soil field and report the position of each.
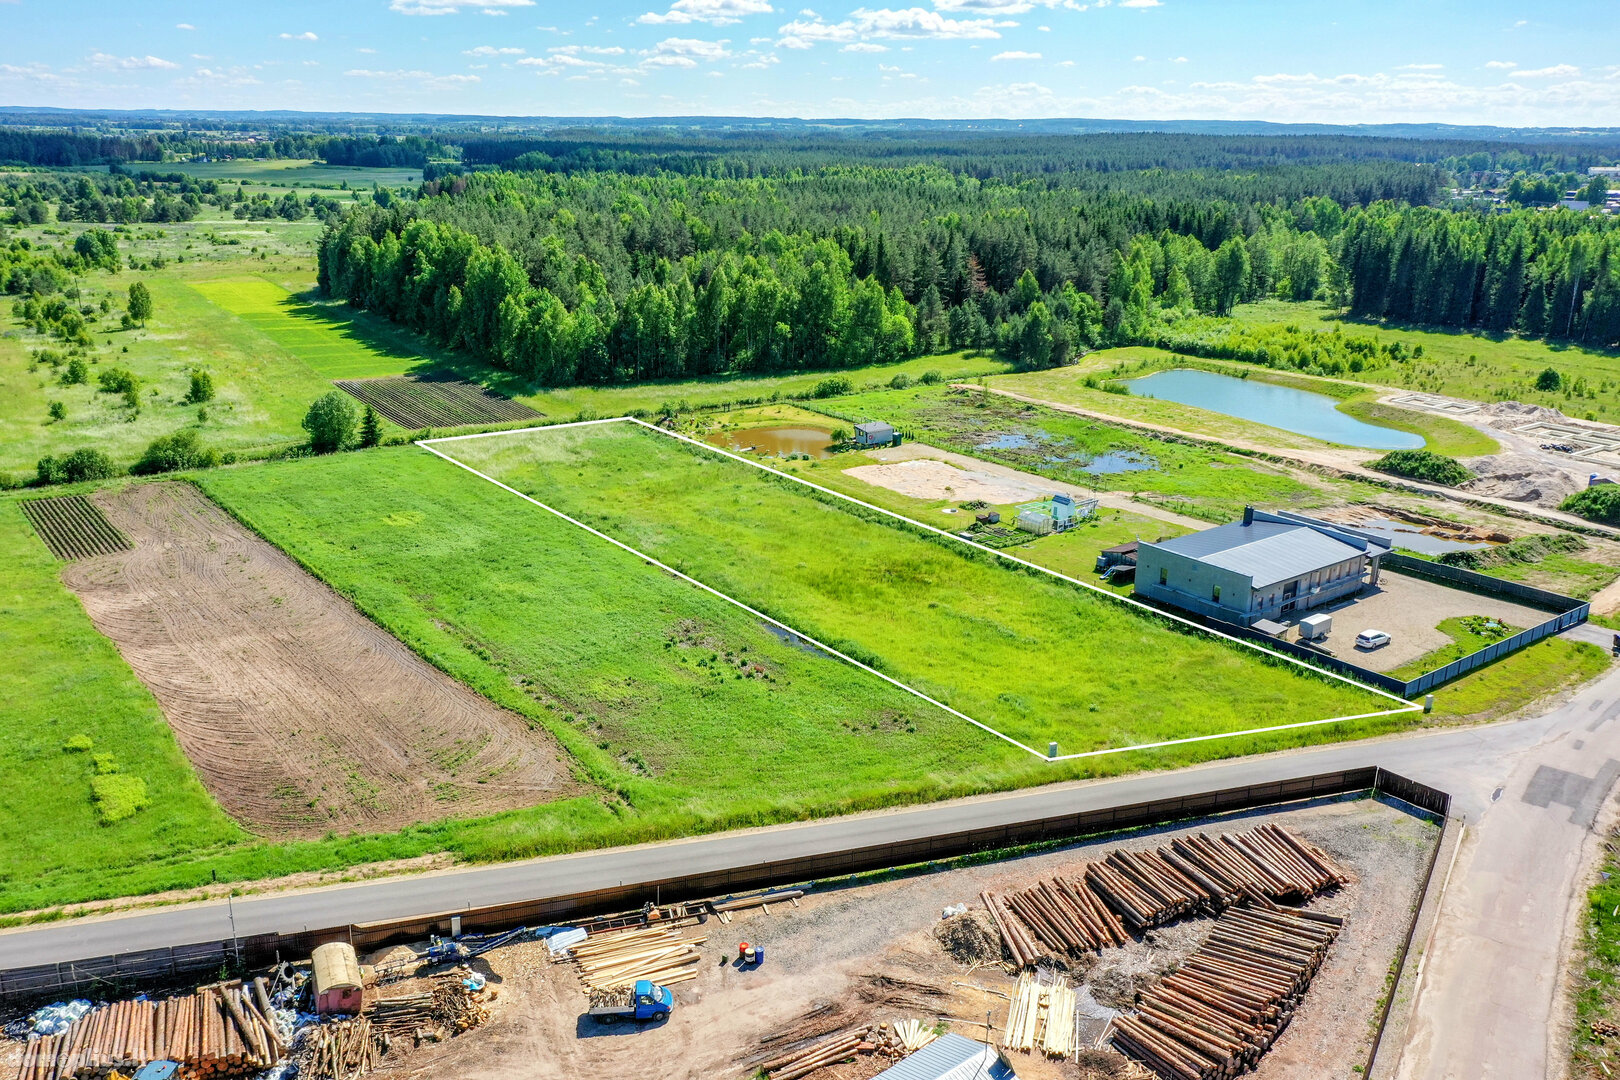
(300, 715)
(865, 951)
(416, 402)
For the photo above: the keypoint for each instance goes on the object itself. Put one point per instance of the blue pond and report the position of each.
(1283, 407)
(1118, 461)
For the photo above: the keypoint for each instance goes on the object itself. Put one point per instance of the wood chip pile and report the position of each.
(1227, 1003)
(219, 1031)
(1128, 892)
(1043, 1016)
(894, 1042)
(619, 958)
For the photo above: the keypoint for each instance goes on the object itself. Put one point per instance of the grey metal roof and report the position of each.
(1265, 551)
(950, 1057)
(875, 427)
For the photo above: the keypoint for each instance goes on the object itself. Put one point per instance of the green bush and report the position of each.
(330, 423)
(1424, 465)
(57, 410)
(77, 372)
(1601, 503)
(77, 744)
(930, 378)
(1549, 379)
(118, 796)
(901, 381)
(832, 386)
(118, 380)
(202, 388)
(182, 450)
(84, 463)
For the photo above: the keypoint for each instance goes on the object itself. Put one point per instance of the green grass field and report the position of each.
(1479, 367)
(1067, 386)
(1200, 482)
(1091, 673)
(285, 173)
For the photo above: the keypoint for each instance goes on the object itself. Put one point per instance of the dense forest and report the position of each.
(59, 149)
(597, 275)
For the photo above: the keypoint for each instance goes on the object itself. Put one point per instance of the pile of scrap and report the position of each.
(344, 1049)
(618, 959)
(1130, 891)
(905, 1037)
(1224, 1007)
(1044, 1016)
(223, 1030)
(723, 908)
(449, 1008)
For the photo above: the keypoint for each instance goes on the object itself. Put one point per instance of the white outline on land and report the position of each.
(1406, 706)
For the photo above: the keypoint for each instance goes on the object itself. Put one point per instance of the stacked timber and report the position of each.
(403, 1015)
(903, 1038)
(723, 909)
(620, 958)
(1044, 1016)
(1133, 891)
(1224, 1007)
(222, 1030)
(344, 1049)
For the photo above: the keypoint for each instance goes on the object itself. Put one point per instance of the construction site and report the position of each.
(1255, 943)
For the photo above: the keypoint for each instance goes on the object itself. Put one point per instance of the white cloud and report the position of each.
(368, 52)
(669, 61)
(713, 12)
(307, 35)
(491, 50)
(864, 47)
(132, 63)
(1015, 54)
(1556, 71)
(591, 50)
(1178, 60)
(865, 23)
(1138, 59)
(763, 63)
(687, 48)
(453, 7)
(1503, 64)
(184, 26)
(1065, 63)
(424, 79)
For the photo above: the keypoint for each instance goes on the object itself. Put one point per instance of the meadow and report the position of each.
(286, 174)
(1199, 481)
(1033, 657)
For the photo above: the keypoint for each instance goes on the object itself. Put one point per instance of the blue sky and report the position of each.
(1352, 61)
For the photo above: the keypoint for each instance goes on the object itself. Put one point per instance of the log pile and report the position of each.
(344, 1049)
(458, 1008)
(894, 1043)
(1224, 1007)
(404, 1015)
(1042, 1017)
(222, 1030)
(1130, 891)
(609, 961)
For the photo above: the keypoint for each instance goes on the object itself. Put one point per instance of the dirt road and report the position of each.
(300, 715)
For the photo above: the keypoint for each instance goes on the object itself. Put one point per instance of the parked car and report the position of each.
(1372, 639)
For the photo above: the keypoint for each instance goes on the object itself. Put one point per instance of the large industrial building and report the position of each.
(1269, 566)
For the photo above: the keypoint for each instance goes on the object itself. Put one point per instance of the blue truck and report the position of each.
(642, 1002)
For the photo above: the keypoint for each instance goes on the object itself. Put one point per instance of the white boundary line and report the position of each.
(1406, 706)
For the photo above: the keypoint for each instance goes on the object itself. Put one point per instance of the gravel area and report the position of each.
(858, 951)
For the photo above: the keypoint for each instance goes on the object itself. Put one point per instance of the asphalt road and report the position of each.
(1531, 791)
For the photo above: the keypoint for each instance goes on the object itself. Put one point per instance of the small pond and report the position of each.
(1299, 411)
(776, 441)
(1115, 461)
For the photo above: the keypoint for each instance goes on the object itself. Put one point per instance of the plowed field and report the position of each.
(300, 715)
(73, 527)
(435, 401)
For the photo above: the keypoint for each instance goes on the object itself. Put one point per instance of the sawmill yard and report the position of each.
(853, 954)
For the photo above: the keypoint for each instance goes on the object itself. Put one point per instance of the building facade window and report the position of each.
(1215, 594)
(1164, 576)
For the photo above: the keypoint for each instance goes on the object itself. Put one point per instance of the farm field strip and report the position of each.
(418, 403)
(1404, 706)
(73, 527)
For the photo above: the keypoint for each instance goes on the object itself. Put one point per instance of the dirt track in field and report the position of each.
(300, 715)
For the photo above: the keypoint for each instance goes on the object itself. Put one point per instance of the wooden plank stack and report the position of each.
(1042, 1017)
(1131, 891)
(1223, 1008)
(219, 1031)
(612, 960)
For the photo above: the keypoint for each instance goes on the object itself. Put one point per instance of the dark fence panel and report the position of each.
(105, 976)
(1558, 624)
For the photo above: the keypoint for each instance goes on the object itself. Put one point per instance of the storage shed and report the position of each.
(875, 433)
(337, 987)
(951, 1057)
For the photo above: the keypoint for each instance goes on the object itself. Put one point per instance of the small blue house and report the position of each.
(875, 433)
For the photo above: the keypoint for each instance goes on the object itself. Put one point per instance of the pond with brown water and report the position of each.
(776, 441)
